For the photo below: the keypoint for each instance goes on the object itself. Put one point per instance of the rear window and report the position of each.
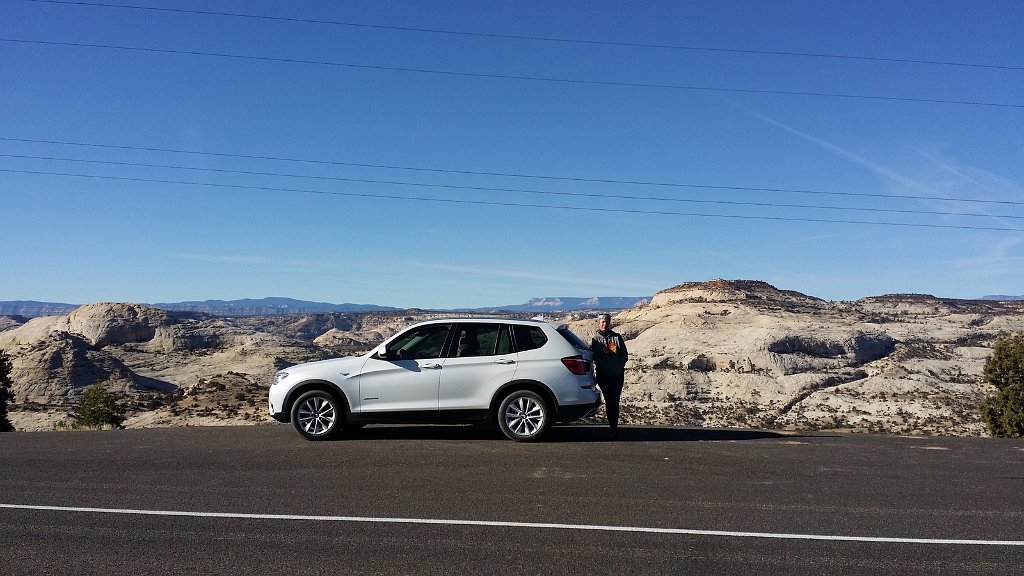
(528, 337)
(573, 339)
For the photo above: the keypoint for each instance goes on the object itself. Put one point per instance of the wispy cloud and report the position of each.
(949, 167)
(972, 179)
(941, 179)
(995, 258)
(874, 167)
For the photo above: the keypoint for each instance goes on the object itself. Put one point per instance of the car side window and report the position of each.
(420, 344)
(481, 340)
(528, 337)
(504, 341)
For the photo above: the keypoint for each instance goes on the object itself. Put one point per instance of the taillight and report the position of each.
(578, 365)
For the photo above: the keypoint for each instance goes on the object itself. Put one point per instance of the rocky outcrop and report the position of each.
(136, 350)
(98, 324)
(30, 332)
(815, 347)
(752, 292)
(743, 353)
(8, 322)
(305, 327)
(106, 324)
(183, 337)
(858, 348)
(335, 338)
(56, 368)
(718, 354)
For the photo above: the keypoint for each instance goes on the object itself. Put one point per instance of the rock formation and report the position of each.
(743, 353)
(718, 354)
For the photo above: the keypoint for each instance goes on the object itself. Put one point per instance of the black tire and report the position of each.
(524, 416)
(318, 415)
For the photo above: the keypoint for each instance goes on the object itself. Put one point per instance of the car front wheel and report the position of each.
(317, 415)
(523, 416)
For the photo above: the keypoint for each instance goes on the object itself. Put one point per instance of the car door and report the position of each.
(405, 380)
(481, 359)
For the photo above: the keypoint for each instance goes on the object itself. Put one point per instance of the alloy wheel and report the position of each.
(524, 416)
(317, 415)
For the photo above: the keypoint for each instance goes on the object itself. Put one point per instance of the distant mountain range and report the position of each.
(289, 306)
(267, 307)
(567, 304)
(1001, 298)
(31, 308)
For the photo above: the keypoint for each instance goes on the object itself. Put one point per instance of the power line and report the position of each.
(513, 175)
(516, 204)
(535, 38)
(517, 190)
(514, 77)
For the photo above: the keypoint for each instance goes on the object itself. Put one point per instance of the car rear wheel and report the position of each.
(318, 415)
(524, 416)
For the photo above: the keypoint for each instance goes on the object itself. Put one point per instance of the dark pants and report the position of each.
(611, 387)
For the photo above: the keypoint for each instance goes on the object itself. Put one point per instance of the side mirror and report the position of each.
(381, 354)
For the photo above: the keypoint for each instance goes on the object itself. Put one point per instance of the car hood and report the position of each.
(333, 366)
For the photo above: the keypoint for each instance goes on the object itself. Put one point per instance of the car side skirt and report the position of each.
(420, 417)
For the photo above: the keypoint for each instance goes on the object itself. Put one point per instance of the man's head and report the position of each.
(604, 323)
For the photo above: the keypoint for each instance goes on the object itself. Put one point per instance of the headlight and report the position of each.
(279, 377)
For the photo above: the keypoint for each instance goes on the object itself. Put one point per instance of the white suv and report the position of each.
(522, 374)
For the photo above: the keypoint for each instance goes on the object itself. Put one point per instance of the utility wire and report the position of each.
(514, 77)
(512, 175)
(534, 38)
(513, 204)
(517, 190)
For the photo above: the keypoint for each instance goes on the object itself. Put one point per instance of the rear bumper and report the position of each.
(577, 411)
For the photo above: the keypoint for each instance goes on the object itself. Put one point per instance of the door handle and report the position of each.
(505, 361)
(430, 366)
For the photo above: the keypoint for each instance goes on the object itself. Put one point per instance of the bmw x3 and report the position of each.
(521, 375)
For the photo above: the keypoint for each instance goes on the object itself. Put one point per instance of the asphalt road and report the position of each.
(454, 500)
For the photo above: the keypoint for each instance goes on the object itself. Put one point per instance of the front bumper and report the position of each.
(275, 410)
(275, 403)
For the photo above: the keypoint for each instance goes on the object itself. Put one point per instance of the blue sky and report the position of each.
(368, 183)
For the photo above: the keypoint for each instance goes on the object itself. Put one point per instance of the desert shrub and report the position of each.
(98, 408)
(1003, 412)
(5, 392)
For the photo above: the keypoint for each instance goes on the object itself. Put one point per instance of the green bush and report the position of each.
(1003, 412)
(98, 408)
(5, 392)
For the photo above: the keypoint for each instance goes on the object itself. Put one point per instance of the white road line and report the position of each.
(497, 523)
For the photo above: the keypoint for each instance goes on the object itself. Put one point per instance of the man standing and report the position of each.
(610, 363)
